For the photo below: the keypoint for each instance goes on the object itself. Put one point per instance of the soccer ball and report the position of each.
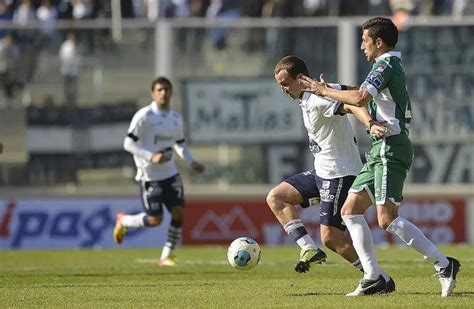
(244, 253)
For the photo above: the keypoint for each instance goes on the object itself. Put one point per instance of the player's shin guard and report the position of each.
(174, 235)
(363, 244)
(414, 237)
(298, 232)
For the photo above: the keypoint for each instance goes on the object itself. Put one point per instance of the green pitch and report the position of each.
(131, 279)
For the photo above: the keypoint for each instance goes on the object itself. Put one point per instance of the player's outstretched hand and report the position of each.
(378, 129)
(198, 167)
(313, 86)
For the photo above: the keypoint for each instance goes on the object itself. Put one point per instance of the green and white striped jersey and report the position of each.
(390, 101)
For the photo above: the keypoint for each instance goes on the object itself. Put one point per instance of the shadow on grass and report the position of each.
(456, 294)
(149, 274)
(317, 294)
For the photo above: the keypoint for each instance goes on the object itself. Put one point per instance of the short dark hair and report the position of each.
(293, 65)
(161, 80)
(383, 28)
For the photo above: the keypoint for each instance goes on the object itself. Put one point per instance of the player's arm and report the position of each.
(356, 97)
(342, 87)
(376, 128)
(183, 151)
(132, 145)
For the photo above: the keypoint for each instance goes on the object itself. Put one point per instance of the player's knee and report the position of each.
(273, 199)
(345, 210)
(154, 220)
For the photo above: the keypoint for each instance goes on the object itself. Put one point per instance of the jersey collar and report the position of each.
(157, 111)
(305, 96)
(392, 53)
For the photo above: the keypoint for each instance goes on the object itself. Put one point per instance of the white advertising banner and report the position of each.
(72, 223)
(240, 111)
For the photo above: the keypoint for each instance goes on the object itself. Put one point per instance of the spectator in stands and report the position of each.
(47, 15)
(256, 36)
(222, 9)
(316, 7)
(9, 58)
(64, 9)
(462, 8)
(70, 65)
(6, 14)
(27, 41)
(199, 7)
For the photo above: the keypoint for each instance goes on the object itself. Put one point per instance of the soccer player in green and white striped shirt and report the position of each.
(380, 182)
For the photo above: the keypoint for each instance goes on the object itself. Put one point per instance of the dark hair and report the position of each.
(383, 28)
(293, 65)
(161, 80)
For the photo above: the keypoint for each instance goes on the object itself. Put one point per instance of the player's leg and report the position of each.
(358, 201)
(173, 195)
(297, 190)
(152, 215)
(333, 193)
(174, 236)
(336, 240)
(389, 186)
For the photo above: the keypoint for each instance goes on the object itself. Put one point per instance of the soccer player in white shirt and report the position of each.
(336, 164)
(154, 132)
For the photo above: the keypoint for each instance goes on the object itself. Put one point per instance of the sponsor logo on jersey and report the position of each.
(375, 79)
(326, 196)
(381, 68)
(326, 184)
(314, 147)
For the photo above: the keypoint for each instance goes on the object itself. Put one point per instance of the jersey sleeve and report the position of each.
(137, 125)
(378, 78)
(180, 146)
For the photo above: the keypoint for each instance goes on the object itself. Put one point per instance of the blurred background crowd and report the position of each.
(47, 11)
(63, 66)
(33, 27)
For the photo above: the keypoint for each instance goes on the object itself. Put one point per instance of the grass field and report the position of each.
(131, 278)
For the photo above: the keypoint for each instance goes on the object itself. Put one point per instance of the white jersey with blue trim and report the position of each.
(155, 130)
(331, 138)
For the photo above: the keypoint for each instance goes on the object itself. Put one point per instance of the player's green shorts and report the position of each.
(388, 162)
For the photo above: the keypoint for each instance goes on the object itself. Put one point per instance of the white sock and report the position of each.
(296, 230)
(133, 220)
(306, 242)
(363, 244)
(414, 237)
(167, 249)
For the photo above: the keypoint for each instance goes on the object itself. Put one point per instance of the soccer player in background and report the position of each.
(155, 130)
(336, 164)
(380, 182)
